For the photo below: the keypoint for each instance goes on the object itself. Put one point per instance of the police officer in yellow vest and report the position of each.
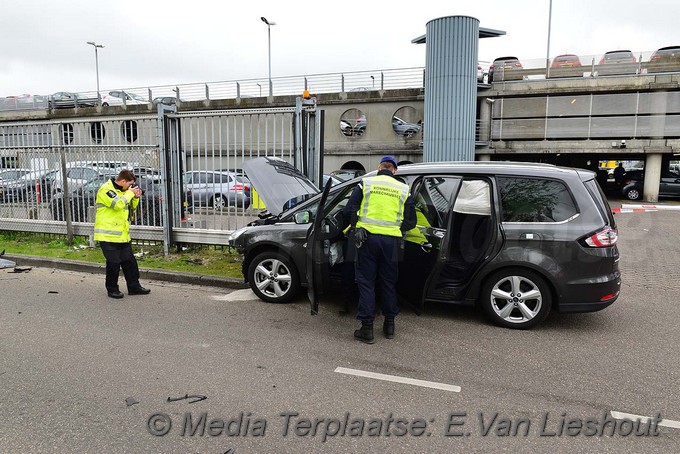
(116, 201)
(382, 206)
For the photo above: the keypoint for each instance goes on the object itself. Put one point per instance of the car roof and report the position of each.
(667, 48)
(486, 167)
(618, 52)
(567, 56)
(506, 58)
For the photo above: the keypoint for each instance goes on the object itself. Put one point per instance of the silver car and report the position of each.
(217, 189)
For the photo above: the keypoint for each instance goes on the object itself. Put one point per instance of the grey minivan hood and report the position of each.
(277, 182)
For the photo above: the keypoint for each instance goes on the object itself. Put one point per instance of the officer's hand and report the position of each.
(137, 192)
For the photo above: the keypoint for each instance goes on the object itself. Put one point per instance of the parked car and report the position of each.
(76, 177)
(633, 184)
(566, 61)
(82, 199)
(120, 97)
(670, 54)
(517, 239)
(506, 65)
(617, 57)
(33, 187)
(404, 128)
(65, 99)
(665, 59)
(217, 189)
(359, 127)
(7, 175)
(347, 174)
(167, 100)
(346, 128)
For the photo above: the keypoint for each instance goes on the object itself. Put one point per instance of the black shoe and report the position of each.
(139, 291)
(116, 294)
(388, 327)
(365, 333)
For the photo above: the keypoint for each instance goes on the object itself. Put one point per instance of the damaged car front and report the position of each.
(274, 246)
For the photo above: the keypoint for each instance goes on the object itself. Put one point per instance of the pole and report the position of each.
(269, 45)
(547, 56)
(96, 63)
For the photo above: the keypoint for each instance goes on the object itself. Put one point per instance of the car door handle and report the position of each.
(426, 247)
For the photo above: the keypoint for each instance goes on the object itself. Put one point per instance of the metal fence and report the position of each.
(189, 166)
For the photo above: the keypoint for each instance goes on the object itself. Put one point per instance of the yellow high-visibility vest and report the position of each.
(112, 222)
(382, 208)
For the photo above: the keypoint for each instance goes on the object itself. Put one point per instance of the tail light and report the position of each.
(240, 187)
(603, 238)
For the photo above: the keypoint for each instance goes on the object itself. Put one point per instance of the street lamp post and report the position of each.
(269, 46)
(96, 62)
(547, 56)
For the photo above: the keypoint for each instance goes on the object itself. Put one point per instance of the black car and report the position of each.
(517, 239)
(633, 184)
(83, 201)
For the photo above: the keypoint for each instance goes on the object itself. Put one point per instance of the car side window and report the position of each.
(432, 200)
(535, 200)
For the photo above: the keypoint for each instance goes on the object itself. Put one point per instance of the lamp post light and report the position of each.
(96, 62)
(260, 89)
(269, 46)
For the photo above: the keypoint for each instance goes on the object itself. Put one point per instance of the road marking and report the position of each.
(236, 295)
(664, 422)
(397, 379)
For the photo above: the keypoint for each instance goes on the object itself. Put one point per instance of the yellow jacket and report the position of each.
(114, 208)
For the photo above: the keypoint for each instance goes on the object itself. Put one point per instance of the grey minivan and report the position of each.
(517, 239)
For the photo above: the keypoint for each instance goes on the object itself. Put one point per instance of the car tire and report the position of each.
(219, 201)
(273, 277)
(504, 298)
(633, 193)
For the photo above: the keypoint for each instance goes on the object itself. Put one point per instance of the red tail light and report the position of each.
(603, 238)
(239, 187)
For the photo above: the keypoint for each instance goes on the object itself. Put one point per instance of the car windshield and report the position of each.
(136, 97)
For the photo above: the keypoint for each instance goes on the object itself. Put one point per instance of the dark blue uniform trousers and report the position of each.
(378, 258)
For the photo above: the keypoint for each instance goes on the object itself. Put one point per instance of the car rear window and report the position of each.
(601, 201)
(535, 200)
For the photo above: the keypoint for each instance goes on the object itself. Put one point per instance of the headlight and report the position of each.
(236, 233)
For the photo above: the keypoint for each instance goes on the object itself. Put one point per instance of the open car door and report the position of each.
(318, 250)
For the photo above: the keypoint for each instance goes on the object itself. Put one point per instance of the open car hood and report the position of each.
(277, 183)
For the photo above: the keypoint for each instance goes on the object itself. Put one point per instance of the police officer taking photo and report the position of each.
(380, 209)
(116, 202)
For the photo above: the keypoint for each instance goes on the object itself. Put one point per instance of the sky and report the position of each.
(152, 42)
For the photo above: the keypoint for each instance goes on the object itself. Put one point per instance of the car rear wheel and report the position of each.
(516, 298)
(273, 277)
(633, 194)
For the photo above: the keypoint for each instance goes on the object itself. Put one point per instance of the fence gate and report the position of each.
(189, 164)
(205, 151)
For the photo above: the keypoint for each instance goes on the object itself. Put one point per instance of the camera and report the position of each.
(135, 185)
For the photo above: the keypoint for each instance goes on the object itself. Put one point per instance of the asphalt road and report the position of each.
(80, 372)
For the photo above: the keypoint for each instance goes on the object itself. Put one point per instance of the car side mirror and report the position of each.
(302, 217)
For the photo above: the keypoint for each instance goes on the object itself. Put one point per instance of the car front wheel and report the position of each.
(273, 277)
(516, 298)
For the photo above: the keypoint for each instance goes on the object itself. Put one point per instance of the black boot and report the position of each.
(365, 333)
(388, 327)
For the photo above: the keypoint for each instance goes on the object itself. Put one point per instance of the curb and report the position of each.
(145, 273)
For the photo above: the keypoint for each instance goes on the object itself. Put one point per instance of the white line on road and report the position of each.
(663, 422)
(650, 206)
(397, 379)
(236, 295)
